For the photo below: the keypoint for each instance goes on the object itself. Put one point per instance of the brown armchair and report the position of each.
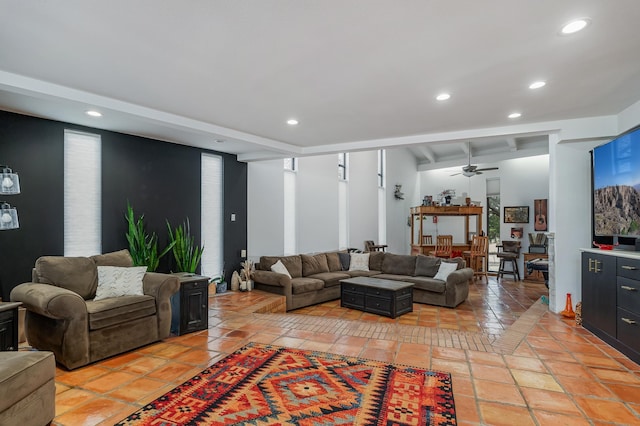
(63, 317)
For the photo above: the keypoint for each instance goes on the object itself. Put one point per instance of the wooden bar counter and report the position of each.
(418, 246)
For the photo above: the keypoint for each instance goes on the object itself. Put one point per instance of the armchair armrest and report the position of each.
(50, 301)
(161, 287)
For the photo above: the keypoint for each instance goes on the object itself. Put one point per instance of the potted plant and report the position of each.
(185, 252)
(143, 246)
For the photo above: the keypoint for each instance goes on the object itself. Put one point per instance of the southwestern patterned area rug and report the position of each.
(271, 385)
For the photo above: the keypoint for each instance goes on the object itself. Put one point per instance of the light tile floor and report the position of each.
(512, 361)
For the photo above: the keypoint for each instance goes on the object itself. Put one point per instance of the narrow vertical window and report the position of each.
(343, 197)
(82, 194)
(343, 159)
(211, 214)
(290, 224)
(382, 197)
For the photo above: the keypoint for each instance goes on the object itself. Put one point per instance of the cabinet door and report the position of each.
(599, 292)
(8, 334)
(194, 307)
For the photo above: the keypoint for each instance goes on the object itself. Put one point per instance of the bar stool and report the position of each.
(510, 253)
(444, 246)
(478, 256)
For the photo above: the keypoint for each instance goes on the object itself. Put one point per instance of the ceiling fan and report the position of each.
(471, 170)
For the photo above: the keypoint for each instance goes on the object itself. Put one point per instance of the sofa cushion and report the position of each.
(398, 264)
(333, 260)
(363, 273)
(116, 258)
(393, 277)
(359, 262)
(117, 310)
(293, 264)
(427, 266)
(444, 270)
(78, 274)
(345, 260)
(315, 264)
(375, 260)
(426, 283)
(458, 261)
(22, 374)
(279, 268)
(331, 279)
(115, 281)
(305, 284)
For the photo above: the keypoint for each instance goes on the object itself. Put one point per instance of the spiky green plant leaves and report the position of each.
(143, 246)
(185, 251)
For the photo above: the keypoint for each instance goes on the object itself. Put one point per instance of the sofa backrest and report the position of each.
(78, 274)
(120, 258)
(398, 264)
(292, 263)
(427, 266)
(314, 264)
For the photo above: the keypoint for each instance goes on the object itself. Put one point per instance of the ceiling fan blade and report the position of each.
(455, 174)
(487, 168)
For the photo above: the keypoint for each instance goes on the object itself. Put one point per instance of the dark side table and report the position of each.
(9, 326)
(190, 305)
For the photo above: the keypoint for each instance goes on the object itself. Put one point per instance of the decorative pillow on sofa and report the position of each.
(114, 281)
(359, 262)
(445, 269)
(315, 264)
(345, 260)
(280, 268)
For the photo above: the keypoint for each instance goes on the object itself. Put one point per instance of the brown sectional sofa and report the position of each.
(316, 278)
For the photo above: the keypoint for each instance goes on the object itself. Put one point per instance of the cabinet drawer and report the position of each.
(386, 294)
(352, 300)
(629, 294)
(194, 285)
(629, 329)
(353, 288)
(628, 268)
(404, 304)
(378, 305)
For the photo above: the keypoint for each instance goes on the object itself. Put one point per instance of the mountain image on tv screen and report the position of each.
(616, 186)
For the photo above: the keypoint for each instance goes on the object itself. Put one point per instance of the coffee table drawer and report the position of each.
(378, 305)
(352, 300)
(376, 292)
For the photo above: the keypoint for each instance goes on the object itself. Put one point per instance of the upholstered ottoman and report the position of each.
(27, 388)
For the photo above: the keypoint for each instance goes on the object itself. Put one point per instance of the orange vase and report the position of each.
(568, 309)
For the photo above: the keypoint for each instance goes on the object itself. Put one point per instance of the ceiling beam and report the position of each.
(513, 145)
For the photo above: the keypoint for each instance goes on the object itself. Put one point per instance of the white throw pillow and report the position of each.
(445, 269)
(359, 262)
(114, 281)
(280, 268)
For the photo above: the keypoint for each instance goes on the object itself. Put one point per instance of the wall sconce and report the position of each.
(9, 182)
(8, 217)
(9, 185)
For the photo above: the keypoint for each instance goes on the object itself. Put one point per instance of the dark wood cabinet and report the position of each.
(611, 299)
(9, 326)
(189, 306)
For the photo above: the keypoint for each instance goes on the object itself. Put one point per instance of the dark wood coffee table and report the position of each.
(378, 296)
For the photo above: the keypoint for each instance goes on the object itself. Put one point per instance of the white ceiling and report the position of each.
(357, 74)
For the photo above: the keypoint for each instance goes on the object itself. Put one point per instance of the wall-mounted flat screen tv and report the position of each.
(616, 186)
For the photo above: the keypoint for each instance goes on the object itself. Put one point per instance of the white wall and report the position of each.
(402, 169)
(317, 203)
(363, 198)
(265, 208)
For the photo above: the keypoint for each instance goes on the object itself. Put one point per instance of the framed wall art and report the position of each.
(518, 214)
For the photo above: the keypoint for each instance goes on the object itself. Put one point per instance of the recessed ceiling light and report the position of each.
(94, 113)
(292, 122)
(219, 140)
(575, 26)
(515, 115)
(443, 96)
(537, 84)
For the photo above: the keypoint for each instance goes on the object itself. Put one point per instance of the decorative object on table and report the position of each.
(246, 284)
(397, 193)
(185, 252)
(9, 185)
(427, 200)
(518, 214)
(235, 281)
(537, 243)
(278, 384)
(568, 309)
(446, 196)
(605, 246)
(143, 246)
(221, 284)
(517, 232)
(579, 313)
(540, 208)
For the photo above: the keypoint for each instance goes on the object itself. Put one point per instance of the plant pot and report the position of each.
(221, 287)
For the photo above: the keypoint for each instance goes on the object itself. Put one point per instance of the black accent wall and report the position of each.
(161, 180)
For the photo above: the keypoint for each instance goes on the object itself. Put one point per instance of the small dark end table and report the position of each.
(9, 326)
(190, 305)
